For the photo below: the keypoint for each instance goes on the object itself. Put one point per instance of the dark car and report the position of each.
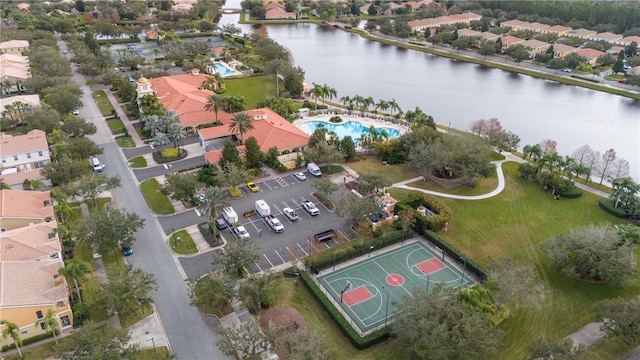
(221, 224)
(127, 250)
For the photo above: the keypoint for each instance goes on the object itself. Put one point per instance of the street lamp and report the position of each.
(428, 280)
(463, 270)
(154, 344)
(370, 249)
(334, 260)
(386, 311)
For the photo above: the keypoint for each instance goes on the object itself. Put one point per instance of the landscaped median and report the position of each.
(158, 202)
(138, 162)
(182, 243)
(103, 103)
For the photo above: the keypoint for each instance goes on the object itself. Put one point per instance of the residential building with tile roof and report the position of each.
(276, 12)
(31, 100)
(605, 36)
(19, 208)
(30, 285)
(591, 55)
(535, 27)
(270, 130)
(562, 50)
(581, 33)
(536, 46)
(556, 29)
(626, 41)
(508, 41)
(14, 47)
(429, 23)
(23, 156)
(515, 24)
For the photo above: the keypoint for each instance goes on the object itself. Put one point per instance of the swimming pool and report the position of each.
(350, 128)
(223, 70)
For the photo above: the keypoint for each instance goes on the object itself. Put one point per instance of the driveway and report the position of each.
(159, 170)
(191, 336)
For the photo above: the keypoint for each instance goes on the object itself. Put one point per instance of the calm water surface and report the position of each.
(458, 93)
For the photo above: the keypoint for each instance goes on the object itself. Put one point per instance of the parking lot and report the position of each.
(293, 243)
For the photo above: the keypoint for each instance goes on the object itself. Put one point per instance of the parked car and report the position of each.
(241, 232)
(567, 70)
(252, 186)
(300, 176)
(127, 250)
(622, 81)
(75, 112)
(221, 224)
(310, 207)
(201, 198)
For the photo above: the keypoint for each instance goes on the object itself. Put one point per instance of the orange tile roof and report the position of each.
(590, 53)
(19, 177)
(607, 36)
(181, 93)
(562, 48)
(213, 157)
(558, 28)
(12, 44)
(537, 26)
(535, 44)
(25, 204)
(582, 32)
(270, 130)
(468, 32)
(508, 39)
(29, 242)
(31, 283)
(34, 140)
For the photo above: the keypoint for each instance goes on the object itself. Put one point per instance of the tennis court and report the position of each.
(369, 291)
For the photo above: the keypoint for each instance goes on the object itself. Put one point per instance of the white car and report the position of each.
(241, 232)
(300, 176)
(75, 112)
(310, 207)
(201, 198)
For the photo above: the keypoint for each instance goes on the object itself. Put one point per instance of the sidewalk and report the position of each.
(125, 119)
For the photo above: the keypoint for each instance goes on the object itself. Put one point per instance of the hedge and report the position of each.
(607, 206)
(30, 340)
(326, 258)
(358, 341)
(570, 194)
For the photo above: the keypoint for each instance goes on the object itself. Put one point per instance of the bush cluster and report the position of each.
(335, 119)
(607, 205)
(434, 222)
(551, 180)
(31, 340)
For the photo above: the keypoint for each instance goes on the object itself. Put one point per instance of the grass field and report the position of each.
(115, 125)
(125, 141)
(103, 102)
(483, 186)
(157, 201)
(138, 162)
(186, 245)
(513, 224)
(255, 89)
(394, 173)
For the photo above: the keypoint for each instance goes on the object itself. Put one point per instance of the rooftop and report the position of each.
(27, 243)
(31, 283)
(34, 140)
(12, 44)
(590, 53)
(508, 39)
(25, 204)
(32, 100)
(607, 36)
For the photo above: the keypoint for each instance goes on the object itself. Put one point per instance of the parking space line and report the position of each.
(267, 184)
(258, 266)
(277, 253)
(269, 261)
(281, 181)
(301, 248)
(346, 239)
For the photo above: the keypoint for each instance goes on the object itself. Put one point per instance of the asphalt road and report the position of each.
(186, 164)
(191, 335)
(133, 152)
(276, 248)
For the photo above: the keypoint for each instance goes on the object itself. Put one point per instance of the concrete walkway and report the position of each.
(125, 119)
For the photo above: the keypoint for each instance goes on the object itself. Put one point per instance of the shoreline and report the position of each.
(468, 59)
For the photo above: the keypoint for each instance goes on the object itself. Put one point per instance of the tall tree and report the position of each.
(89, 187)
(75, 270)
(259, 289)
(215, 200)
(255, 156)
(237, 256)
(440, 325)
(107, 230)
(129, 289)
(98, 342)
(213, 102)
(608, 158)
(241, 123)
(243, 341)
(51, 322)
(214, 290)
(181, 186)
(12, 330)
(620, 318)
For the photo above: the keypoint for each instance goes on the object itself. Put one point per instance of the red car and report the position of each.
(622, 81)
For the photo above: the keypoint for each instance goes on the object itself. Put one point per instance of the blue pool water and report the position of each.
(222, 70)
(350, 128)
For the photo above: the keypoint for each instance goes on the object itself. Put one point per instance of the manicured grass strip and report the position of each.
(394, 173)
(125, 141)
(182, 243)
(83, 251)
(483, 186)
(116, 126)
(157, 201)
(151, 354)
(93, 83)
(138, 162)
(255, 88)
(103, 102)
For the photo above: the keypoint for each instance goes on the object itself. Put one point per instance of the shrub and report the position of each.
(335, 119)
(170, 153)
(31, 340)
(434, 222)
(570, 194)
(607, 206)
(234, 192)
(254, 172)
(207, 230)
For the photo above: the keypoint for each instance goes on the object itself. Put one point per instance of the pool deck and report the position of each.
(366, 121)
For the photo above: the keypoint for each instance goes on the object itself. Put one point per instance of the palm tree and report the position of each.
(317, 92)
(241, 123)
(75, 270)
(329, 92)
(215, 201)
(534, 151)
(14, 331)
(381, 105)
(212, 104)
(232, 104)
(51, 322)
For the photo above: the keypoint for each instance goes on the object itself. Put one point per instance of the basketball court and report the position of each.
(370, 290)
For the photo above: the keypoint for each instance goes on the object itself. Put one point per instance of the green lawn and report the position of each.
(125, 141)
(255, 89)
(93, 83)
(483, 186)
(138, 162)
(513, 224)
(394, 173)
(185, 246)
(116, 126)
(83, 251)
(157, 201)
(103, 102)
(151, 354)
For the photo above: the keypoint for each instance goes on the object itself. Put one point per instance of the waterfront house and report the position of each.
(508, 41)
(535, 47)
(23, 156)
(561, 50)
(278, 12)
(432, 23)
(591, 55)
(605, 36)
(556, 29)
(581, 33)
